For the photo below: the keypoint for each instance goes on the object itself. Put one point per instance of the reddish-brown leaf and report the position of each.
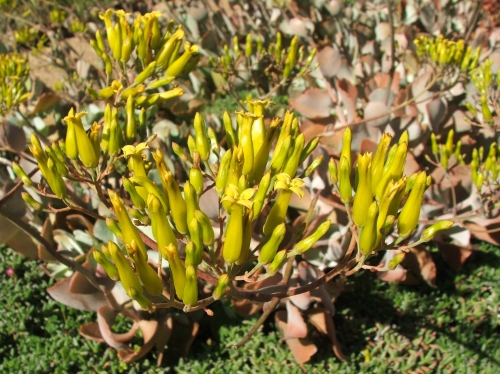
(323, 321)
(302, 349)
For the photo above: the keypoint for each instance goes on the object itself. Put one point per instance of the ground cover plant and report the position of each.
(164, 156)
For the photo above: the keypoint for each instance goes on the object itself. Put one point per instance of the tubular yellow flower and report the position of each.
(270, 247)
(346, 146)
(78, 142)
(21, 174)
(147, 275)
(292, 163)
(432, 230)
(278, 211)
(344, 177)
(280, 159)
(308, 149)
(379, 160)
(363, 196)
(276, 263)
(206, 227)
(201, 138)
(176, 202)
(176, 67)
(108, 266)
(196, 180)
(307, 243)
(129, 279)
(150, 187)
(168, 48)
(191, 287)
(228, 127)
(246, 140)
(162, 231)
(261, 194)
(177, 269)
(28, 199)
(368, 237)
(222, 284)
(223, 172)
(394, 171)
(234, 234)
(247, 236)
(408, 218)
(258, 128)
(137, 200)
(196, 236)
(128, 229)
(262, 157)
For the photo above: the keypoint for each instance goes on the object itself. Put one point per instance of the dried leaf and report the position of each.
(60, 292)
(302, 301)
(91, 331)
(313, 103)
(302, 349)
(323, 321)
(454, 255)
(377, 110)
(330, 61)
(17, 239)
(79, 283)
(348, 95)
(295, 325)
(149, 330)
(46, 101)
(419, 261)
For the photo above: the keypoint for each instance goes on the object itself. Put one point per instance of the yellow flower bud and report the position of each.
(276, 263)
(314, 165)
(78, 142)
(280, 159)
(408, 218)
(247, 236)
(223, 172)
(176, 67)
(147, 275)
(108, 266)
(222, 284)
(177, 269)
(394, 171)
(201, 139)
(137, 200)
(432, 230)
(307, 243)
(28, 199)
(206, 227)
(308, 149)
(128, 278)
(369, 233)
(398, 258)
(346, 146)
(379, 160)
(21, 174)
(332, 169)
(344, 177)
(292, 163)
(270, 247)
(191, 287)
(176, 202)
(363, 196)
(261, 194)
(246, 142)
(128, 229)
(233, 235)
(228, 127)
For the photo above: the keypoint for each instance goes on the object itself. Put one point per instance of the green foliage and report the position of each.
(392, 328)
